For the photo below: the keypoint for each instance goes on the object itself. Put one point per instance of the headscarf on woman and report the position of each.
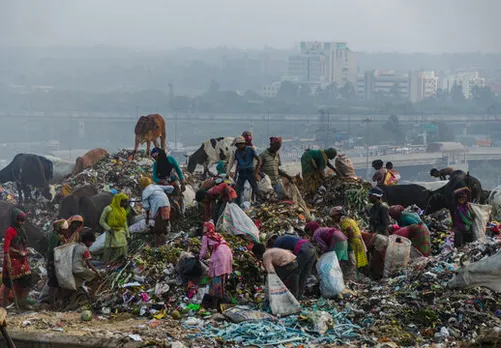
(331, 153)
(312, 226)
(60, 224)
(395, 211)
(164, 167)
(248, 138)
(118, 215)
(18, 215)
(211, 231)
(144, 182)
(221, 167)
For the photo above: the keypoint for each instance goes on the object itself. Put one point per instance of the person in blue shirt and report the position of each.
(244, 156)
(162, 169)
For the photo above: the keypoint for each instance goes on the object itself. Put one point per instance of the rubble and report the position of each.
(146, 300)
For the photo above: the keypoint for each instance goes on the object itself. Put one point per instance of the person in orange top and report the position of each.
(16, 269)
(214, 200)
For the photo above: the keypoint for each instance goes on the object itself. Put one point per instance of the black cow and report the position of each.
(36, 238)
(90, 208)
(444, 196)
(211, 152)
(406, 195)
(28, 171)
(70, 205)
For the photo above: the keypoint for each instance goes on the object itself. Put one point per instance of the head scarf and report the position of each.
(275, 140)
(74, 218)
(248, 137)
(220, 167)
(164, 167)
(376, 192)
(395, 211)
(462, 192)
(338, 210)
(144, 182)
(154, 151)
(60, 224)
(312, 226)
(117, 216)
(330, 153)
(211, 231)
(16, 215)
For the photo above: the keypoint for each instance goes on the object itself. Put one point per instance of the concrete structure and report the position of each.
(422, 85)
(382, 83)
(466, 79)
(271, 90)
(324, 63)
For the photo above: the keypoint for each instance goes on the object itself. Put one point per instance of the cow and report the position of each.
(70, 205)
(486, 272)
(60, 168)
(28, 171)
(406, 195)
(444, 197)
(211, 152)
(149, 129)
(36, 238)
(89, 159)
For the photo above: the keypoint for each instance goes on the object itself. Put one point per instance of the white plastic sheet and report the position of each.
(331, 275)
(235, 221)
(282, 301)
(63, 261)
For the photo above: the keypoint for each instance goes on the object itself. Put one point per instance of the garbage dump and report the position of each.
(157, 297)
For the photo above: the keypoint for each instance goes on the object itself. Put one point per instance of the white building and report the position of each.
(271, 90)
(324, 62)
(423, 85)
(382, 83)
(467, 80)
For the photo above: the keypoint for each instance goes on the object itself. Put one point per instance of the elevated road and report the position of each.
(248, 118)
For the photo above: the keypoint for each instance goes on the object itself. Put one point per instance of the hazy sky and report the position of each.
(367, 25)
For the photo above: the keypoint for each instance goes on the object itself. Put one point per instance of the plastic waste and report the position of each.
(282, 302)
(397, 254)
(331, 275)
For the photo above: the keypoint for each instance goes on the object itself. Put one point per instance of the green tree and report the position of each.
(348, 91)
(457, 95)
(394, 130)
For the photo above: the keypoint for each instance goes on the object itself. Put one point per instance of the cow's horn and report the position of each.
(461, 260)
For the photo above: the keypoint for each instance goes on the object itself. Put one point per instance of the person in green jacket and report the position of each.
(313, 165)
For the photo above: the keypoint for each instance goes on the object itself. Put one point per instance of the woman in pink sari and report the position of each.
(220, 264)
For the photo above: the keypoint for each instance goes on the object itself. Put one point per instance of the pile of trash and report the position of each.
(278, 218)
(352, 194)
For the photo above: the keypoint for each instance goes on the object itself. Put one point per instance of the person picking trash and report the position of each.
(329, 239)
(282, 262)
(379, 218)
(114, 222)
(221, 260)
(313, 165)
(156, 205)
(83, 269)
(304, 251)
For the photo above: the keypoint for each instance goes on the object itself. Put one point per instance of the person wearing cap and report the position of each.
(313, 165)
(379, 218)
(16, 269)
(351, 230)
(55, 239)
(304, 251)
(270, 165)
(245, 156)
(156, 205)
(463, 218)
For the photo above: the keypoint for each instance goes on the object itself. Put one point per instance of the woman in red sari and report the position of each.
(16, 270)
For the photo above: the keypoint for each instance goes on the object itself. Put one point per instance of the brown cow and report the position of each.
(89, 159)
(149, 129)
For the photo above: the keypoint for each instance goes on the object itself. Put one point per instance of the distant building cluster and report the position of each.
(320, 64)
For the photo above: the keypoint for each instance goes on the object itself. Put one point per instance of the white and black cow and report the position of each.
(211, 152)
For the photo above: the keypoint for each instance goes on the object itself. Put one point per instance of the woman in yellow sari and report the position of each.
(313, 165)
(352, 231)
(114, 222)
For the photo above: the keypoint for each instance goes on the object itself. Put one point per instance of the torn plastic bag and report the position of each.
(139, 227)
(239, 314)
(397, 254)
(97, 248)
(189, 196)
(331, 275)
(482, 214)
(235, 221)
(282, 301)
(63, 261)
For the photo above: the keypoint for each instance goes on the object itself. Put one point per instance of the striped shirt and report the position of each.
(271, 162)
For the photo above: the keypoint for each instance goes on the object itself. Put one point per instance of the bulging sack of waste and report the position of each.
(265, 185)
(97, 248)
(482, 214)
(397, 254)
(282, 301)
(235, 221)
(239, 314)
(189, 196)
(331, 275)
(139, 227)
(485, 272)
(63, 261)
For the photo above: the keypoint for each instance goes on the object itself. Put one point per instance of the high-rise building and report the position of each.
(376, 83)
(423, 85)
(324, 63)
(467, 80)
